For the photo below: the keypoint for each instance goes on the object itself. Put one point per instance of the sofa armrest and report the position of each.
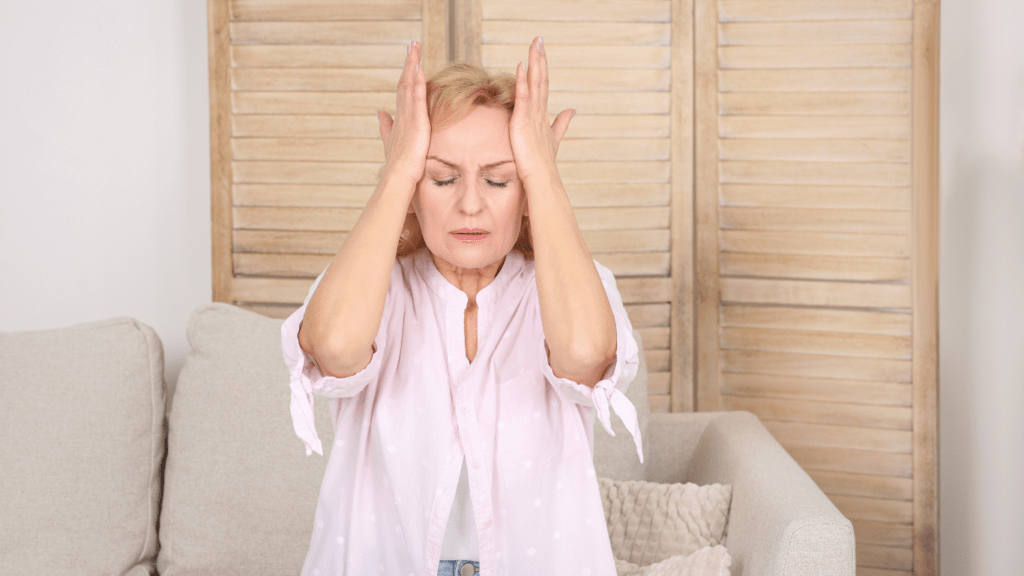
(780, 522)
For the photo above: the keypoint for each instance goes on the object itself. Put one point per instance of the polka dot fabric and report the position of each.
(407, 423)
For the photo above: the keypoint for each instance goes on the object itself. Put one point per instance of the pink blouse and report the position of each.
(405, 423)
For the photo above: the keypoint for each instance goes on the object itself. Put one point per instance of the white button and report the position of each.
(464, 410)
(476, 464)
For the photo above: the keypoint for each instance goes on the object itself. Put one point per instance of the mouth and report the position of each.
(471, 235)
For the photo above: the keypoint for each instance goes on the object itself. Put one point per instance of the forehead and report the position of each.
(479, 138)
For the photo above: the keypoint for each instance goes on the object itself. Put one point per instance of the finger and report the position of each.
(533, 71)
(561, 123)
(522, 88)
(386, 123)
(543, 60)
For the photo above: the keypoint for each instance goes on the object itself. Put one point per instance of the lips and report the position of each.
(470, 235)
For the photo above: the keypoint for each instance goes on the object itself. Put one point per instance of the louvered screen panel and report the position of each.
(295, 86)
(627, 167)
(805, 197)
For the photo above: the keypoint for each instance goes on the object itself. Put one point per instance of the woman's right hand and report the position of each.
(407, 136)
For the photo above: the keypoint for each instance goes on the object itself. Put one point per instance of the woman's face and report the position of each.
(471, 183)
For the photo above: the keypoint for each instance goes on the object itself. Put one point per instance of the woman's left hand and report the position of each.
(534, 142)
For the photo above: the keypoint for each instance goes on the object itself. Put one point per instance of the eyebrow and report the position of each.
(449, 164)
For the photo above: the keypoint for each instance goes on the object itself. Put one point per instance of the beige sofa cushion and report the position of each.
(81, 417)
(615, 456)
(240, 491)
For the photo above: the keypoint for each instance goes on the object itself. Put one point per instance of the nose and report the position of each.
(469, 200)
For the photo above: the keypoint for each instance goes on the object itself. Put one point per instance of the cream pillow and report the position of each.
(649, 522)
(708, 561)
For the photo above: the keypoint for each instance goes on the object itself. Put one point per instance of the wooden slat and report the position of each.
(606, 11)
(846, 197)
(263, 172)
(319, 79)
(864, 485)
(621, 218)
(466, 21)
(626, 240)
(605, 79)
(817, 389)
(300, 10)
(610, 102)
(816, 80)
(346, 103)
(814, 220)
(290, 56)
(658, 383)
(286, 218)
(821, 56)
(270, 310)
(875, 509)
(218, 38)
(822, 413)
(829, 173)
(660, 403)
(865, 571)
(814, 103)
(826, 436)
(352, 32)
(799, 266)
(816, 342)
(288, 241)
(820, 32)
(589, 56)
(298, 126)
(616, 194)
(887, 557)
(855, 321)
(618, 126)
(815, 366)
(611, 149)
(645, 290)
(437, 34)
(831, 150)
(622, 172)
(863, 462)
(635, 263)
(655, 338)
(797, 10)
(330, 196)
(815, 293)
(558, 33)
(270, 290)
(657, 360)
(641, 315)
(682, 385)
(316, 149)
(281, 265)
(804, 126)
(926, 283)
(781, 242)
(883, 533)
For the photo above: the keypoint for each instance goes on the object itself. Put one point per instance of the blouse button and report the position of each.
(476, 464)
(464, 410)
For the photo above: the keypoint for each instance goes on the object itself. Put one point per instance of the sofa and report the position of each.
(105, 470)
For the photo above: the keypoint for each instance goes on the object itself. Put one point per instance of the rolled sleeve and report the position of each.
(608, 392)
(306, 379)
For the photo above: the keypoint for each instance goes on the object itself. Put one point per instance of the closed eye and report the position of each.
(444, 182)
(497, 184)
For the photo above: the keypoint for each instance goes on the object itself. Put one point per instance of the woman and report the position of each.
(464, 373)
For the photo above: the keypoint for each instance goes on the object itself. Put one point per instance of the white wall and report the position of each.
(104, 182)
(104, 164)
(981, 328)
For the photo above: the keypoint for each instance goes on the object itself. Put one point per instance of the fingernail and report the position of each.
(408, 48)
(540, 41)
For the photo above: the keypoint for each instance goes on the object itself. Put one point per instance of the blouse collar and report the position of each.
(511, 269)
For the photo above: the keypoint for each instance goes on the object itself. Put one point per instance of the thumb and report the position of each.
(386, 123)
(561, 123)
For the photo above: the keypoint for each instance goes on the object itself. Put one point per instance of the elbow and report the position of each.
(328, 353)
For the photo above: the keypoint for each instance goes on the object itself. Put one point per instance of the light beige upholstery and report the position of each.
(81, 418)
(80, 413)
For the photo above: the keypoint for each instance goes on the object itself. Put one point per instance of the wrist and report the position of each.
(397, 179)
(541, 180)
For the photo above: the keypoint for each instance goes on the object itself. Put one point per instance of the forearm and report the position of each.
(344, 314)
(579, 326)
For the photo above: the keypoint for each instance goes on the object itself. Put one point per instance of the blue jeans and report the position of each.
(454, 567)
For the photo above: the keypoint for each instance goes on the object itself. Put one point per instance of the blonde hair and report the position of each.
(451, 95)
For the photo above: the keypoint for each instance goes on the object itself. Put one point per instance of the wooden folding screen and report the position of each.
(816, 249)
(758, 174)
